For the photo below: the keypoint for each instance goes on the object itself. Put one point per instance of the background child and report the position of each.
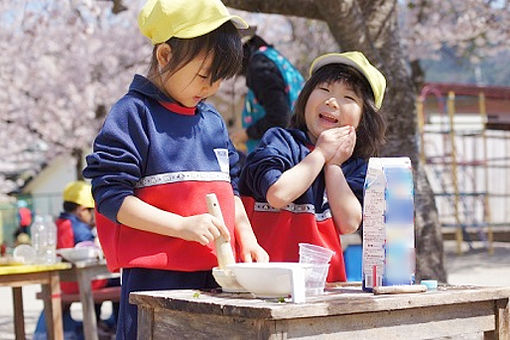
(74, 225)
(305, 184)
(162, 149)
(273, 87)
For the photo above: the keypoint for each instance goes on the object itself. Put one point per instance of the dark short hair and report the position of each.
(249, 48)
(69, 207)
(372, 127)
(224, 43)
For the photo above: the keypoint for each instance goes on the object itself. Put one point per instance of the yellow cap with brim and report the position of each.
(160, 20)
(79, 192)
(357, 60)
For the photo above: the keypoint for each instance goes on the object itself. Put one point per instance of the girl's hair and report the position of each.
(372, 127)
(224, 43)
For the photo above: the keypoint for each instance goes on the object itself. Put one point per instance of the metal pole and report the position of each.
(421, 125)
(451, 113)
(486, 203)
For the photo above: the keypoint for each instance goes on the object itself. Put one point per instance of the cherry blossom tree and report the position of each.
(63, 63)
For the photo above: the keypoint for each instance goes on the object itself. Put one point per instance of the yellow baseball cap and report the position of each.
(79, 192)
(160, 20)
(359, 62)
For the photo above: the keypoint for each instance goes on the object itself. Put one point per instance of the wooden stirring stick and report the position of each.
(223, 248)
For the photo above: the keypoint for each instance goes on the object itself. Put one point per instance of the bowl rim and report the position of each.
(270, 265)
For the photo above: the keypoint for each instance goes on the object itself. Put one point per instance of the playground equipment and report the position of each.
(466, 165)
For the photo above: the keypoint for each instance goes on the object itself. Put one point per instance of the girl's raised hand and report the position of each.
(330, 140)
(203, 229)
(345, 149)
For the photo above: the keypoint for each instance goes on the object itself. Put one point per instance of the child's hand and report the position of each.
(253, 252)
(203, 229)
(345, 149)
(330, 140)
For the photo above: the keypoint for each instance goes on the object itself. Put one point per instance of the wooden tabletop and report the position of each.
(32, 268)
(335, 301)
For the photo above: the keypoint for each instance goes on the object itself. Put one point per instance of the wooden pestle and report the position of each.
(224, 251)
(399, 289)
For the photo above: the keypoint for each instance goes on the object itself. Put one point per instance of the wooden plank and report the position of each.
(183, 325)
(19, 319)
(32, 268)
(419, 323)
(334, 302)
(52, 306)
(502, 321)
(145, 323)
(97, 270)
(87, 304)
(99, 295)
(18, 280)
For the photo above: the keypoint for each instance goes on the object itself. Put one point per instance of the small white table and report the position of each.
(17, 276)
(84, 272)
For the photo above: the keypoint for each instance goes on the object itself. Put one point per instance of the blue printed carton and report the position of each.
(388, 223)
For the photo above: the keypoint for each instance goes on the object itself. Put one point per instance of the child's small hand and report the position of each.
(203, 229)
(345, 149)
(253, 252)
(329, 141)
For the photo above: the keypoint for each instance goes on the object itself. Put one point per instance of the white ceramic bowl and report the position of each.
(267, 280)
(227, 280)
(78, 254)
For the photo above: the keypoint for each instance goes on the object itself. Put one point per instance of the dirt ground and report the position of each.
(475, 266)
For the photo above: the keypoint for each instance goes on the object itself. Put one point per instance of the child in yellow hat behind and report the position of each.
(162, 149)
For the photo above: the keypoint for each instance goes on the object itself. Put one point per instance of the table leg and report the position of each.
(19, 319)
(87, 303)
(53, 307)
(145, 322)
(502, 314)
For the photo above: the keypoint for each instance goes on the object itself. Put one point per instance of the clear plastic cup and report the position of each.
(25, 254)
(315, 279)
(311, 253)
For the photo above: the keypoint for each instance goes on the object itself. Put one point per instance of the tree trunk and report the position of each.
(78, 157)
(370, 26)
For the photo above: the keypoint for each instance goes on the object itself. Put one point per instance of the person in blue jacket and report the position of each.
(162, 149)
(273, 87)
(305, 183)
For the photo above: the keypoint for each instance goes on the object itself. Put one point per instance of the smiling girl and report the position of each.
(305, 183)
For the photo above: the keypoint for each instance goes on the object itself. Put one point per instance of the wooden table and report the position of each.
(47, 276)
(341, 313)
(84, 272)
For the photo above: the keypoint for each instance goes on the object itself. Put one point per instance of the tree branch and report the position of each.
(301, 8)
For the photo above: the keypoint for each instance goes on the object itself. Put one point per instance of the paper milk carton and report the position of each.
(388, 223)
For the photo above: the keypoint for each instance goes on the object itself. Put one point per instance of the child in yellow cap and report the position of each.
(75, 225)
(305, 184)
(162, 149)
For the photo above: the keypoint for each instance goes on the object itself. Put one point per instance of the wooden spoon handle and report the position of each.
(223, 249)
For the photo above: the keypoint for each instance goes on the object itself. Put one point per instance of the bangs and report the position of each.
(346, 74)
(224, 43)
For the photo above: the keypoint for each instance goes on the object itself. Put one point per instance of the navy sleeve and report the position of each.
(268, 85)
(354, 173)
(234, 165)
(264, 166)
(119, 156)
